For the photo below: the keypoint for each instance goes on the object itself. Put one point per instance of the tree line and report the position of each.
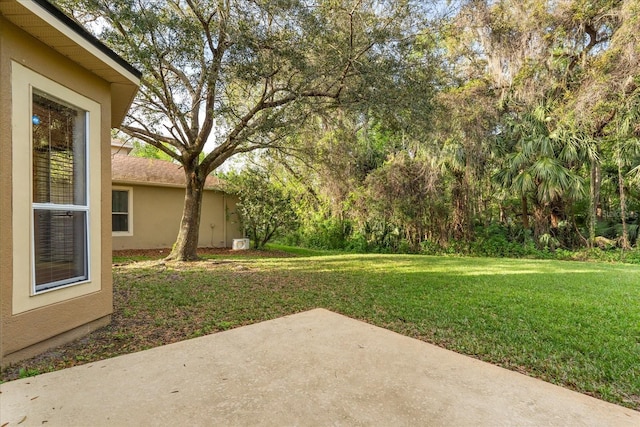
(528, 141)
(496, 127)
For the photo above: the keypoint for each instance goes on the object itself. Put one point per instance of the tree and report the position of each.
(140, 149)
(466, 124)
(264, 207)
(626, 149)
(240, 74)
(532, 53)
(541, 163)
(406, 193)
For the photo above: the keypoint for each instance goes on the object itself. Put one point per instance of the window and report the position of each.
(60, 202)
(121, 220)
(56, 196)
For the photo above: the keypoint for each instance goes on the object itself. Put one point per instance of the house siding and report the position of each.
(6, 248)
(27, 333)
(156, 215)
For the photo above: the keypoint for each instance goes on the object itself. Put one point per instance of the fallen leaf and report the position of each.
(22, 420)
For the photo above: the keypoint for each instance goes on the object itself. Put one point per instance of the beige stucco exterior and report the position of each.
(31, 322)
(156, 212)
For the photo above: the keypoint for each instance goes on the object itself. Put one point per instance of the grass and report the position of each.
(305, 252)
(570, 323)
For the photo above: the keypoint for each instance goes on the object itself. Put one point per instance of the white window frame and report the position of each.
(25, 297)
(53, 207)
(129, 191)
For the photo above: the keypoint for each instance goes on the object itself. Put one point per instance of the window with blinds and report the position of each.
(120, 210)
(60, 206)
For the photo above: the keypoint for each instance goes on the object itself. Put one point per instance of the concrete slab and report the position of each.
(315, 368)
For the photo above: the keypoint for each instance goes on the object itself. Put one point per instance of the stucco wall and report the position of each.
(6, 275)
(25, 333)
(157, 211)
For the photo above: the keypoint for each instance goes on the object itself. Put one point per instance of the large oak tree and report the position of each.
(234, 76)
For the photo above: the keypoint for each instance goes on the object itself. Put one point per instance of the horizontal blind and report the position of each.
(59, 193)
(59, 249)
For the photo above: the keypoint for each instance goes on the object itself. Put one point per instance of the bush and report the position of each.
(500, 241)
(600, 255)
(264, 208)
(328, 234)
(358, 243)
(430, 248)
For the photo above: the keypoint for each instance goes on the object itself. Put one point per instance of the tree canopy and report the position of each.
(233, 76)
(399, 125)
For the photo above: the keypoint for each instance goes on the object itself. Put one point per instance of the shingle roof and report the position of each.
(140, 170)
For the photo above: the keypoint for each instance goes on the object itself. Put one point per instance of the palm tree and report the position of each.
(540, 164)
(626, 151)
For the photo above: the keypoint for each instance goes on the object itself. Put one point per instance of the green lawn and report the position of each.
(570, 323)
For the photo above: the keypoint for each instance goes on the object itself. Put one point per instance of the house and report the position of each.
(148, 200)
(61, 92)
(120, 147)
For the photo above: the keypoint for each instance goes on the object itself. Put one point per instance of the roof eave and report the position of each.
(119, 181)
(122, 96)
(95, 57)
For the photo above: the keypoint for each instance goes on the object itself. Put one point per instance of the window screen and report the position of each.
(59, 192)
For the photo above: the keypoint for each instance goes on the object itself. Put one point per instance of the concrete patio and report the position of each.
(315, 368)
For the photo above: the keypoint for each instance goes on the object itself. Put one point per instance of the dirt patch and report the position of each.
(126, 334)
(161, 253)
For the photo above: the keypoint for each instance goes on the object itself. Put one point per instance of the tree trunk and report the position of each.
(462, 223)
(470, 191)
(557, 213)
(594, 200)
(254, 237)
(623, 209)
(525, 213)
(186, 245)
(458, 220)
(540, 222)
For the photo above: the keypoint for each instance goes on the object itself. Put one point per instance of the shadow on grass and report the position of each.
(571, 323)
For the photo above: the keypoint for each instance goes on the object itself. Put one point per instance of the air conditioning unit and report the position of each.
(240, 244)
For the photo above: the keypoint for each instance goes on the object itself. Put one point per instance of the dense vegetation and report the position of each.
(493, 127)
(526, 144)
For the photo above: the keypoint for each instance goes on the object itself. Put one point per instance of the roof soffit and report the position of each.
(51, 27)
